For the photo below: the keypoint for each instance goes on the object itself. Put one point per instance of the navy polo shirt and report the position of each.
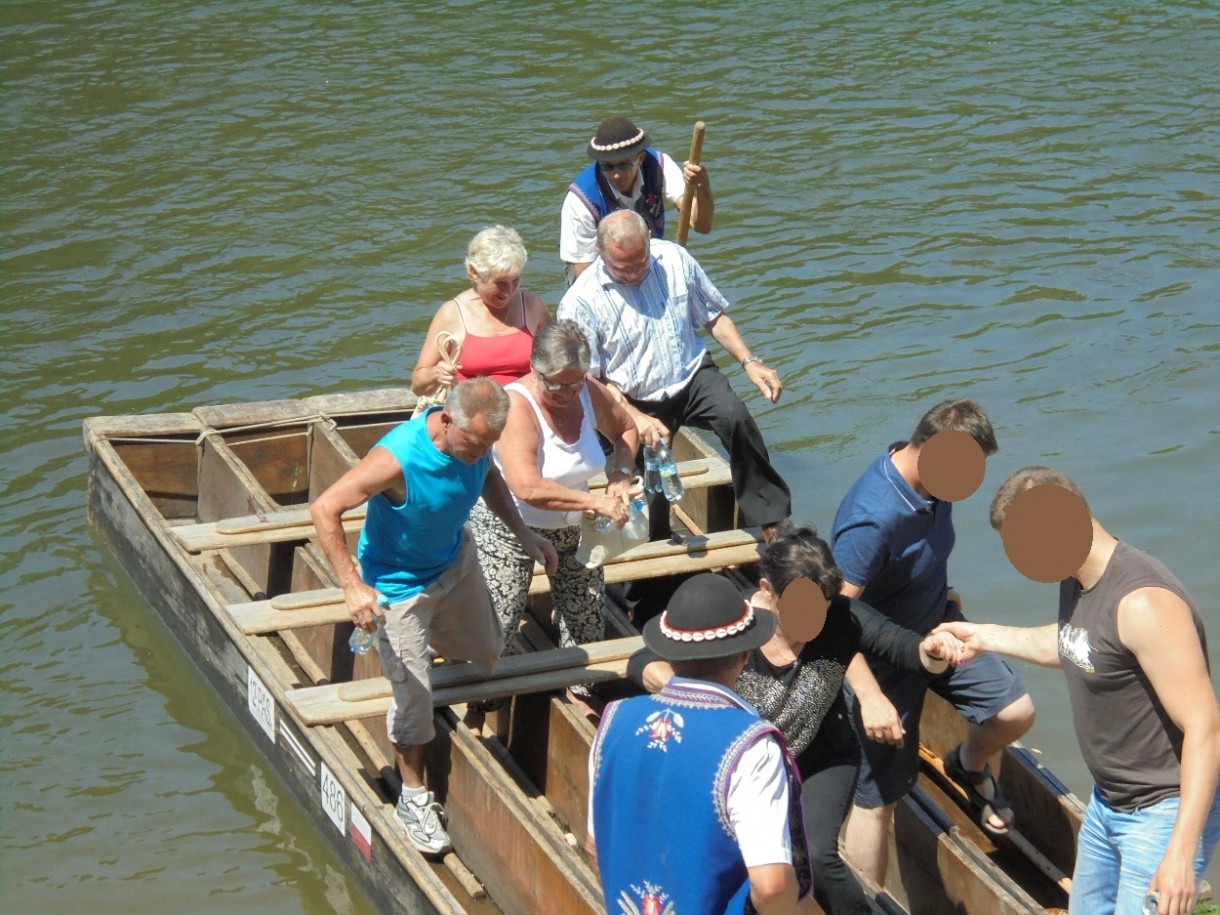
(894, 543)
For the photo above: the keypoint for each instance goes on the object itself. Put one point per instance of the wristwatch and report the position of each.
(746, 361)
(625, 471)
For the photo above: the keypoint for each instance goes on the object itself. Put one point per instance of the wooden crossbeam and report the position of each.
(538, 671)
(295, 523)
(325, 606)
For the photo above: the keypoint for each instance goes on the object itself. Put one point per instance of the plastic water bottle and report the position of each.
(671, 483)
(652, 470)
(361, 642)
(605, 523)
(1151, 902)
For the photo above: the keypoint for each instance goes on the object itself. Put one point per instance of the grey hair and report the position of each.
(476, 396)
(620, 226)
(1028, 478)
(559, 347)
(496, 251)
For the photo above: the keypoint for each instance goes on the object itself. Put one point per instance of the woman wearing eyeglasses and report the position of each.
(797, 683)
(494, 320)
(548, 452)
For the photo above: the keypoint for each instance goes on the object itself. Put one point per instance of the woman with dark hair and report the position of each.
(797, 684)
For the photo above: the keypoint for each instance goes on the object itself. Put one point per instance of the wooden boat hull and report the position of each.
(205, 509)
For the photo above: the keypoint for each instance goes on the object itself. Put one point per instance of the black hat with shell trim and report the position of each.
(617, 139)
(707, 618)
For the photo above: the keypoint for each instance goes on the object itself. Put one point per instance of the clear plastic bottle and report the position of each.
(604, 522)
(671, 483)
(361, 642)
(652, 470)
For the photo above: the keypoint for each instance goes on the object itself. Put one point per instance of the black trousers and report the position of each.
(709, 402)
(829, 769)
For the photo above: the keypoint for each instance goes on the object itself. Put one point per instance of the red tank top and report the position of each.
(503, 359)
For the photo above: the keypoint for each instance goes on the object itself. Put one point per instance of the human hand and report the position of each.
(651, 430)
(943, 646)
(1174, 882)
(364, 604)
(967, 635)
(766, 379)
(542, 551)
(881, 721)
(614, 508)
(445, 376)
(620, 488)
(695, 175)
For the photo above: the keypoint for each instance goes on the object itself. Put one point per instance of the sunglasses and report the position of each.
(556, 386)
(616, 166)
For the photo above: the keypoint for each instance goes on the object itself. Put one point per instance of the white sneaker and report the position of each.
(421, 815)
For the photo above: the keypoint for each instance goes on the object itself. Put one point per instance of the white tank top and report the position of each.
(568, 465)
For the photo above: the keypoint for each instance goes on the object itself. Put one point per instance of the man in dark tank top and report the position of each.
(1131, 643)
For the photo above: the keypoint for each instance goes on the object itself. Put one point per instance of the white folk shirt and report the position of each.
(578, 227)
(645, 338)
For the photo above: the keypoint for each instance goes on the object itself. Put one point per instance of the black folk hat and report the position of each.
(617, 139)
(707, 618)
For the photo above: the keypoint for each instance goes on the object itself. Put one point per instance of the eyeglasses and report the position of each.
(616, 166)
(556, 386)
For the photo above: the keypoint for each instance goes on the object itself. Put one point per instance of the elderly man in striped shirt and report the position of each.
(642, 304)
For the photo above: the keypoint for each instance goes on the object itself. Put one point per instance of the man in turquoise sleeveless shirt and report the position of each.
(419, 573)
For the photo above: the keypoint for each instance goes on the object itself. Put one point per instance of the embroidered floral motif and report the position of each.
(652, 901)
(661, 727)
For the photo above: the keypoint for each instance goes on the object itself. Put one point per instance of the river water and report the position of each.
(209, 202)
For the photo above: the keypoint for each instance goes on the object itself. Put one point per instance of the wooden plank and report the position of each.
(519, 855)
(343, 403)
(330, 457)
(535, 672)
(326, 607)
(295, 524)
(256, 413)
(567, 771)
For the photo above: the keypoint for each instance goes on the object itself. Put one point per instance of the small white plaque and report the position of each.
(334, 798)
(260, 703)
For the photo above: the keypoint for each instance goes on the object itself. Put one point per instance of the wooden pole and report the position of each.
(688, 198)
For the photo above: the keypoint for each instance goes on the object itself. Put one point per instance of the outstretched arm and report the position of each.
(500, 501)
(763, 377)
(1038, 645)
(1158, 628)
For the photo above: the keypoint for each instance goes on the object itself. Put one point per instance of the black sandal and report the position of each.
(985, 809)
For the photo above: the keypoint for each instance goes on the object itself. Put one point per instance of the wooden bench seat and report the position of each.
(538, 671)
(648, 560)
(295, 524)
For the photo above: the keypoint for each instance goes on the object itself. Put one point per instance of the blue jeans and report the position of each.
(1117, 854)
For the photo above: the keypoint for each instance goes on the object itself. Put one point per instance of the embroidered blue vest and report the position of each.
(661, 769)
(595, 192)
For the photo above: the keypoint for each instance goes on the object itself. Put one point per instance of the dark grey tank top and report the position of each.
(1129, 743)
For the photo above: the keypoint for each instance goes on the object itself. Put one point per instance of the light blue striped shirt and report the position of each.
(645, 338)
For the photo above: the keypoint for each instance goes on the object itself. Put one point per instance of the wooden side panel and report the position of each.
(278, 459)
(227, 489)
(520, 857)
(168, 472)
(935, 873)
(329, 458)
(361, 437)
(567, 767)
(706, 509)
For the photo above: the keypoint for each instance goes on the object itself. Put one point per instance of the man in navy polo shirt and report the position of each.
(892, 539)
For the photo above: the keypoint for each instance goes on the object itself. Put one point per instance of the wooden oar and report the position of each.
(688, 198)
